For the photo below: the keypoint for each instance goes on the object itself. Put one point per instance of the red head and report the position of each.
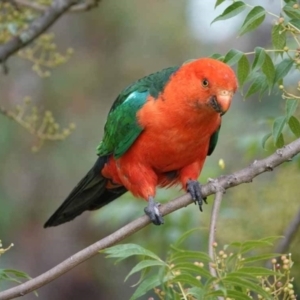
(207, 83)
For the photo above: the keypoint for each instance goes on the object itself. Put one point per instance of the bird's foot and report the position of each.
(194, 188)
(153, 213)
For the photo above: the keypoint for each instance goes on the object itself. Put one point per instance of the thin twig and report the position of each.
(35, 29)
(85, 6)
(212, 233)
(243, 176)
(212, 229)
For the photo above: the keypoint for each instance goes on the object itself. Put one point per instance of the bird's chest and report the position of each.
(174, 147)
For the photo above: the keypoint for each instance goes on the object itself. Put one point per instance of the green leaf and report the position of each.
(216, 293)
(291, 12)
(237, 295)
(191, 268)
(12, 275)
(280, 141)
(278, 37)
(145, 264)
(183, 255)
(147, 285)
(126, 250)
(294, 125)
(218, 2)
(283, 68)
(237, 281)
(265, 242)
(269, 70)
(256, 85)
(217, 56)
(295, 23)
(264, 139)
(278, 127)
(197, 293)
(188, 280)
(290, 107)
(9, 278)
(243, 70)
(254, 18)
(231, 11)
(271, 239)
(264, 87)
(16, 273)
(249, 245)
(259, 58)
(235, 244)
(256, 271)
(233, 56)
(252, 259)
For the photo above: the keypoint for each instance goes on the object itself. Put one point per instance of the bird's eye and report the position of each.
(205, 83)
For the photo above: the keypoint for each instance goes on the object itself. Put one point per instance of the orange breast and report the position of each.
(173, 137)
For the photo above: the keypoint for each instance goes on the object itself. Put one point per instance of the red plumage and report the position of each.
(177, 129)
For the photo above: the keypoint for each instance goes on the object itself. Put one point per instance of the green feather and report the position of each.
(122, 128)
(213, 141)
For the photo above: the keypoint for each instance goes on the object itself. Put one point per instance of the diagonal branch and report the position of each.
(243, 176)
(35, 29)
(84, 6)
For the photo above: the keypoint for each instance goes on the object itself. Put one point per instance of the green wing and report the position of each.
(213, 141)
(121, 128)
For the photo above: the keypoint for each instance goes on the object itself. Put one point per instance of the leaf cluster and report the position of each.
(262, 70)
(42, 53)
(42, 126)
(15, 19)
(184, 274)
(10, 274)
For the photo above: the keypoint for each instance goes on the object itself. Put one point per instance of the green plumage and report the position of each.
(213, 141)
(121, 128)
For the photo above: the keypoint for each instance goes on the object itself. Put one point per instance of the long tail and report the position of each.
(89, 194)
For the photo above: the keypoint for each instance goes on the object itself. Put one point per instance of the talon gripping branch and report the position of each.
(158, 133)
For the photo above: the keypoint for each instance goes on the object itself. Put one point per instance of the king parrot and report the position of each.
(158, 132)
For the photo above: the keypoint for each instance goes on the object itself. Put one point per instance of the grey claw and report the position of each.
(194, 188)
(153, 213)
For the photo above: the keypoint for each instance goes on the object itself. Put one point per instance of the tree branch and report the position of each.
(87, 5)
(243, 176)
(36, 28)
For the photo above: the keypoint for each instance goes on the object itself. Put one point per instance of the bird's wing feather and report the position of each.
(213, 141)
(122, 127)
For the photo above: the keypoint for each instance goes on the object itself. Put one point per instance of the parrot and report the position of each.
(158, 133)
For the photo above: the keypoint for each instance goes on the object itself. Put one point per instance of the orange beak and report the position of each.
(224, 98)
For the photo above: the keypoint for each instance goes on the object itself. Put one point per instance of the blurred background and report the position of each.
(115, 44)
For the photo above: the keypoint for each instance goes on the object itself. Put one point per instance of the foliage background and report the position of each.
(116, 44)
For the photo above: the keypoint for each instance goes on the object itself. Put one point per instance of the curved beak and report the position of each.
(224, 98)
